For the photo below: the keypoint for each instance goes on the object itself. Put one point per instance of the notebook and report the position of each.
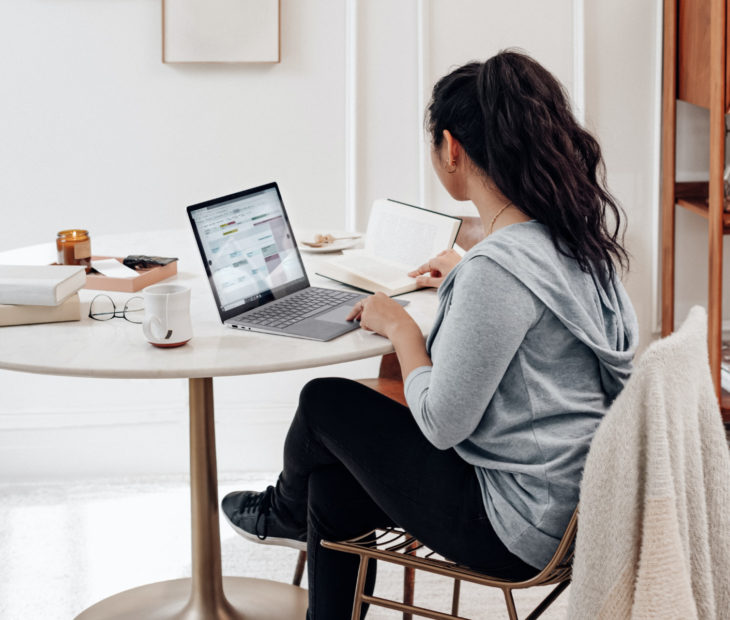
(255, 270)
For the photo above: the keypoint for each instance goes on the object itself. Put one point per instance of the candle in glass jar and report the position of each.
(74, 248)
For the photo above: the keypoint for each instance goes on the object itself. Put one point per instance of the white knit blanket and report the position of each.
(654, 522)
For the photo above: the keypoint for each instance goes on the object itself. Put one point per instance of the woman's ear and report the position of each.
(453, 148)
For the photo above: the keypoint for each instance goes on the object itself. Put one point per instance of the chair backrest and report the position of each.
(558, 569)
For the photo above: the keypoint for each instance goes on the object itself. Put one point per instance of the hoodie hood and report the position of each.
(601, 317)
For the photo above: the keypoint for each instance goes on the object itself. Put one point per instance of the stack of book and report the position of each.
(40, 293)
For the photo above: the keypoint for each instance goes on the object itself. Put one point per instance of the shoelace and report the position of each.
(260, 504)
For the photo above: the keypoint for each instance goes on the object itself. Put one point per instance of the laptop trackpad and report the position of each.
(336, 315)
(339, 314)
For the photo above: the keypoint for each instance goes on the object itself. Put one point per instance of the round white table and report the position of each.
(118, 349)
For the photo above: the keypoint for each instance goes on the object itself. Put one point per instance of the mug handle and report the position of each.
(152, 324)
(154, 329)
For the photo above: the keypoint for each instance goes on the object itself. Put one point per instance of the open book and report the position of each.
(399, 238)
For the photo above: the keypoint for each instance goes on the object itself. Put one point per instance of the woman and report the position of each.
(533, 340)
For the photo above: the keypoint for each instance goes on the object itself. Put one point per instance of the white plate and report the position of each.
(335, 246)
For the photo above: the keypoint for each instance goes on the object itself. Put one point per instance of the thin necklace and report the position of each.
(494, 219)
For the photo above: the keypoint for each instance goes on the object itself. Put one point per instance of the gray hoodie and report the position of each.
(528, 353)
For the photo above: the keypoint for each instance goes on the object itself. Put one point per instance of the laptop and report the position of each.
(255, 270)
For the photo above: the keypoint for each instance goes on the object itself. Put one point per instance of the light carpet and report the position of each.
(65, 546)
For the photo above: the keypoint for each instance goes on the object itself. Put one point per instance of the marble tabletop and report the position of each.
(117, 348)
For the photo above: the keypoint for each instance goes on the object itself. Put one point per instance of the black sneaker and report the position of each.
(250, 515)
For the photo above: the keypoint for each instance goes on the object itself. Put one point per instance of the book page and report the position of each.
(407, 235)
(380, 270)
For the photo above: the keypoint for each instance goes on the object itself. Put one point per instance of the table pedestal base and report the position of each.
(206, 595)
(245, 599)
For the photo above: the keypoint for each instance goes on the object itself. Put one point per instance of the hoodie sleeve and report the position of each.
(489, 316)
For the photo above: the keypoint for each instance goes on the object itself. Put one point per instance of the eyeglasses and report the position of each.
(103, 308)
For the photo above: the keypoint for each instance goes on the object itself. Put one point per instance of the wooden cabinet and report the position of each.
(695, 69)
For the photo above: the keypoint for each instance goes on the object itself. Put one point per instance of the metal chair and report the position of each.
(398, 547)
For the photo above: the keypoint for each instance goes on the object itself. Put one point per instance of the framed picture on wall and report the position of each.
(220, 31)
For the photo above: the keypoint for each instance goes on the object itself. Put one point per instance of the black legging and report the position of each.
(355, 460)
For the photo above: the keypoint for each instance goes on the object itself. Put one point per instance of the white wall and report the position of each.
(622, 58)
(97, 132)
(477, 30)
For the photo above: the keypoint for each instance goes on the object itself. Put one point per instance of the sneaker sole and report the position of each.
(269, 540)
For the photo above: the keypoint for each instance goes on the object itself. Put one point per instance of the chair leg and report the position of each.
(360, 587)
(299, 570)
(455, 597)
(409, 575)
(511, 610)
(548, 600)
(409, 582)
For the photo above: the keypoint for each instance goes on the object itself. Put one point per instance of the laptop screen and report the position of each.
(248, 249)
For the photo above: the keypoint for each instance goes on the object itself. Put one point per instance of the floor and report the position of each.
(67, 545)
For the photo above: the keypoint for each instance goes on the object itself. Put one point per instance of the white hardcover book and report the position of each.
(69, 310)
(39, 285)
(399, 238)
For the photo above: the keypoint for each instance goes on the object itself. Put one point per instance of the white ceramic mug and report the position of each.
(167, 315)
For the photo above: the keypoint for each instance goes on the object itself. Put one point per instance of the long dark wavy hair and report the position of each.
(513, 119)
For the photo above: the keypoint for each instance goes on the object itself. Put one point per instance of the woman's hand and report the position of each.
(437, 269)
(381, 314)
(387, 317)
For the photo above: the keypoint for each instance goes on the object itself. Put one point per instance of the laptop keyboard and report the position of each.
(297, 307)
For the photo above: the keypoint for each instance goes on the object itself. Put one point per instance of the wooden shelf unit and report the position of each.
(693, 197)
(695, 69)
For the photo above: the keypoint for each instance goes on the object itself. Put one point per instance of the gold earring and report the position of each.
(451, 168)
